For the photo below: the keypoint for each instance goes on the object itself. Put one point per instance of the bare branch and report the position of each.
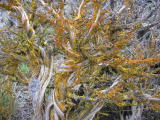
(25, 21)
(150, 98)
(57, 112)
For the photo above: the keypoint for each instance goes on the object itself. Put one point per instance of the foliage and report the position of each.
(6, 101)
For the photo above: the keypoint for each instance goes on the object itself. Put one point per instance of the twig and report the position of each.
(93, 111)
(95, 22)
(79, 9)
(114, 84)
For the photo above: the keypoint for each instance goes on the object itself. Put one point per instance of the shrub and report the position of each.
(104, 64)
